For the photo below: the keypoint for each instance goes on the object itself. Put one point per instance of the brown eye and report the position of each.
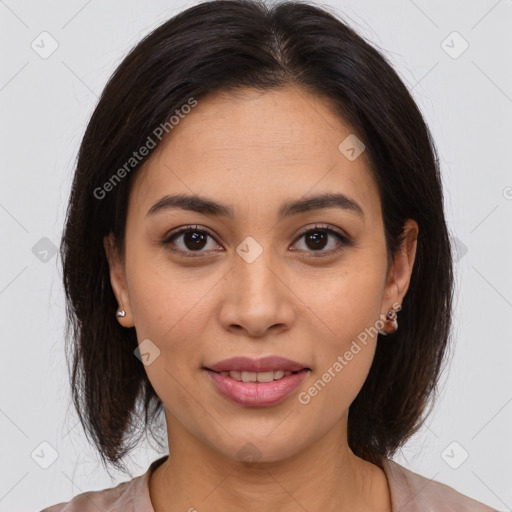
(194, 240)
(318, 238)
(190, 240)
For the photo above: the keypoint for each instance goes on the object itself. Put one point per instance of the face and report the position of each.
(307, 283)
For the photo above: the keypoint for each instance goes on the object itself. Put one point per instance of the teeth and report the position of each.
(265, 376)
(256, 377)
(249, 376)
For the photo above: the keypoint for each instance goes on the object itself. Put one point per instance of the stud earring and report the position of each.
(391, 316)
(120, 313)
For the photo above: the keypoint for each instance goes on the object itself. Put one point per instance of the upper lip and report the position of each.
(263, 364)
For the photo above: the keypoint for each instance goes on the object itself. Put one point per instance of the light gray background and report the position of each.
(45, 105)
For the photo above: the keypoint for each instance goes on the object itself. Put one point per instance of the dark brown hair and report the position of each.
(222, 45)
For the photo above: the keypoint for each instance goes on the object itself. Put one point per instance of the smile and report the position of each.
(262, 389)
(257, 377)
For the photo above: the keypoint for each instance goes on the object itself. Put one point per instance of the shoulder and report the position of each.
(106, 500)
(411, 492)
(128, 496)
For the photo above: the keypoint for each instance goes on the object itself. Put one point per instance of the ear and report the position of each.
(399, 275)
(118, 280)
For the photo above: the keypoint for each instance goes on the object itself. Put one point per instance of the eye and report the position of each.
(317, 238)
(193, 240)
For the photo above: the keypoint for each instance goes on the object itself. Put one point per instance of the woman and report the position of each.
(257, 201)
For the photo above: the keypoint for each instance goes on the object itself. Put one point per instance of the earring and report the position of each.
(391, 316)
(120, 313)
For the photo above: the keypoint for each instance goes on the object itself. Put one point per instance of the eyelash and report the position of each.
(344, 241)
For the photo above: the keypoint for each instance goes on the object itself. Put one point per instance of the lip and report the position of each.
(258, 394)
(263, 364)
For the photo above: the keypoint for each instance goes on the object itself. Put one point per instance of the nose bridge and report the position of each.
(257, 298)
(255, 269)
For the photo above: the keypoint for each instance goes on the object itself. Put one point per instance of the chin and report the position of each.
(253, 448)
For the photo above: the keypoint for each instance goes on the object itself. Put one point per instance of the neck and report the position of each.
(325, 476)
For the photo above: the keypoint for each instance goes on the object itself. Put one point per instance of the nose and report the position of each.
(257, 297)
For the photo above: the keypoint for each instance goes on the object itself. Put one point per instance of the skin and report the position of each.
(253, 151)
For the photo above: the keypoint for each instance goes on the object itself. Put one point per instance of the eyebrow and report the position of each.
(207, 206)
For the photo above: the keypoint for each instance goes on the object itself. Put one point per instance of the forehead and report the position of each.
(252, 149)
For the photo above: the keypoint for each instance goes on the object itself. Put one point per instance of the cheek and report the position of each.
(346, 310)
(342, 364)
(346, 300)
(169, 307)
(170, 310)
(331, 391)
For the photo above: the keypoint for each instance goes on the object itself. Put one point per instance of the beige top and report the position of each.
(410, 492)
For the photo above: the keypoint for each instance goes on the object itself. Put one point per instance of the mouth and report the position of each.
(257, 382)
(245, 376)
(264, 365)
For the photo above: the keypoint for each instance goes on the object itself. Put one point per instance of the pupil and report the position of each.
(318, 238)
(196, 239)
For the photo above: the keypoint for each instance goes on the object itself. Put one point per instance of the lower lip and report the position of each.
(258, 394)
